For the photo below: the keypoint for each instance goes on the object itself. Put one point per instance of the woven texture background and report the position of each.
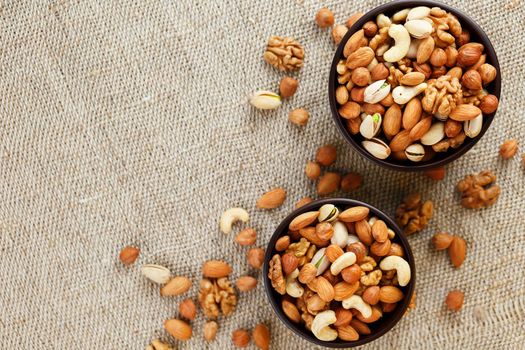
(126, 122)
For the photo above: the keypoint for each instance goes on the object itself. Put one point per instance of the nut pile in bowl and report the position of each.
(339, 272)
(413, 86)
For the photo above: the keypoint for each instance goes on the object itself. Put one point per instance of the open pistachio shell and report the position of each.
(376, 91)
(435, 134)
(472, 127)
(370, 126)
(415, 152)
(377, 148)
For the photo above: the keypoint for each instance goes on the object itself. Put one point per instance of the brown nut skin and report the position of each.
(454, 300)
(307, 273)
(469, 54)
(390, 294)
(436, 174)
(326, 155)
(299, 116)
(387, 101)
(358, 95)
(453, 128)
(288, 86)
(290, 310)
(376, 315)
(452, 55)
(396, 249)
(442, 240)
(488, 73)
(423, 68)
(371, 295)
(324, 230)
(324, 18)
(372, 108)
(331, 278)
(312, 170)
(351, 274)
(187, 309)
(343, 317)
(380, 248)
(438, 57)
(463, 39)
(380, 231)
(471, 79)
(438, 71)
(388, 307)
(353, 18)
(282, 243)
(508, 149)
(241, 338)
(359, 250)
(361, 76)
(289, 263)
(457, 251)
(361, 327)
(379, 72)
(246, 237)
(489, 104)
(350, 110)
(328, 183)
(128, 255)
(255, 257)
(261, 336)
(455, 72)
(364, 232)
(210, 330)
(370, 29)
(333, 251)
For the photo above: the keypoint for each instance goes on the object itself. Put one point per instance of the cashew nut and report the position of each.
(403, 94)
(394, 262)
(340, 236)
(341, 262)
(412, 50)
(419, 12)
(356, 302)
(352, 239)
(376, 91)
(293, 288)
(320, 261)
(402, 43)
(419, 28)
(383, 21)
(321, 326)
(230, 216)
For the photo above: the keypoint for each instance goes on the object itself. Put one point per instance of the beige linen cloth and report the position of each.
(126, 122)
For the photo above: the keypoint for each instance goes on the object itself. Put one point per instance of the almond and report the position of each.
(351, 110)
(324, 289)
(360, 58)
(302, 202)
(379, 72)
(421, 128)
(437, 174)
(326, 155)
(128, 255)
(380, 248)
(353, 18)
(328, 183)
(388, 307)
(272, 199)
(442, 240)
(289, 263)
(246, 283)
(343, 290)
(361, 327)
(354, 214)
(178, 329)
(241, 338)
(246, 237)
(401, 141)
(412, 113)
(311, 236)
(412, 78)
(392, 121)
(390, 294)
(333, 252)
(347, 333)
(312, 170)
(358, 249)
(424, 50)
(457, 251)
(290, 310)
(187, 309)
(303, 220)
(176, 286)
(351, 182)
(261, 336)
(371, 295)
(210, 330)
(355, 42)
(396, 249)
(351, 274)
(455, 72)
(216, 269)
(343, 317)
(307, 273)
(379, 231)
(455, 300)
(255, 257)
(282, 243)
(364, 232)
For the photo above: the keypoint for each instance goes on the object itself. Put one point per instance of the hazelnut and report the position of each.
(396, 249)
(488, 73)
(464, 38)
(359, 250)
(129, 254)
(246, 283)
(312, 170)
(438, 57)
(324, 230)
(255, 257)
(489, 104)
(387, 101)
(353, 18)
(454, 300)
(442, 240)
(350, 110)
(469, 54)
(372, 108)
(282, 243)
(351, 274)
(324, 18)
(379, 72)
(299, 116)
(351, 182)
(288, 86)
(326, 155)
(210, 330)
(438, 71)
(370, 29)
(371, 295)
(453, 128)
(338, 32)
(358, 94)
(361, 76)
(508, 149)
(248, 236)
(241, 338)
(471, 80)
(452, 55)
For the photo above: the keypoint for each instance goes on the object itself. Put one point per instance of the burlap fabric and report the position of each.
(126, 122)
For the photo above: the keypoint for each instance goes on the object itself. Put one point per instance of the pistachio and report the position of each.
(419, 28)
(435, 134)
(415, 152)
(265, 100)
(376, 91)
(320, 261)
(156, 273)
(403, 94)
(472, 127)
(377, 148)
(370, 126)
(328, 213)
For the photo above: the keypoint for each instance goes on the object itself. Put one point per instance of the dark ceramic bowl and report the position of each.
(378, 328)
(476, 34)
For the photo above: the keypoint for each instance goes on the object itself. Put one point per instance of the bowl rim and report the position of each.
(299, 329)
(477, 32)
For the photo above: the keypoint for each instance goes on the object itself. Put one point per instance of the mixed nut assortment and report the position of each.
(338, 272)
(413, 84)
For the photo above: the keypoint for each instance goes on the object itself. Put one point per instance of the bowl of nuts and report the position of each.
(414, 85)
(339, 272)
